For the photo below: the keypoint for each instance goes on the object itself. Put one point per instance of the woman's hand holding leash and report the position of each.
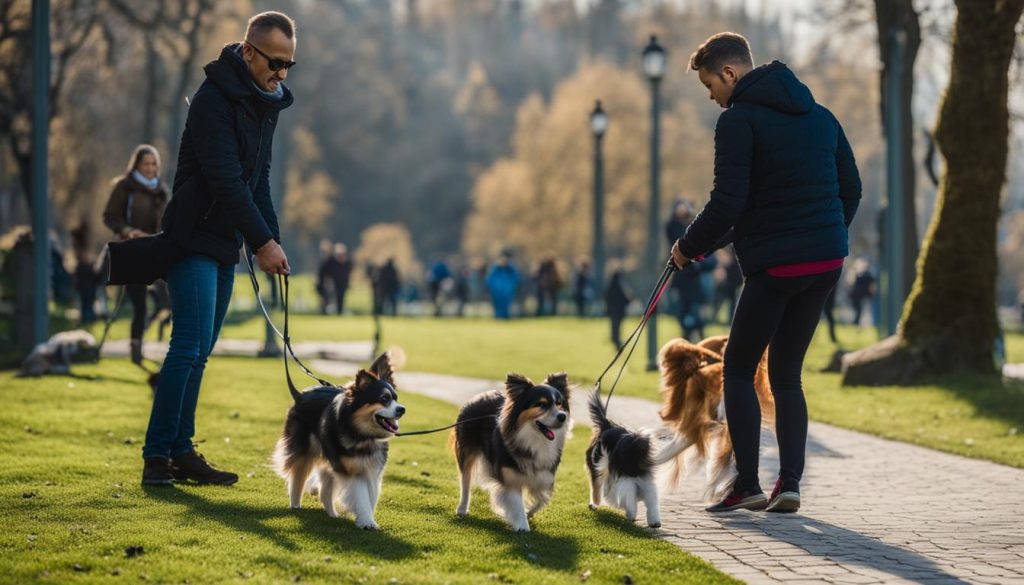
(272, 259)
(678, 259)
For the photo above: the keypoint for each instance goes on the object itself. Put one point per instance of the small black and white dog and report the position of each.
(622, 465)
(335, 441)
(56, 355)
(514, 439)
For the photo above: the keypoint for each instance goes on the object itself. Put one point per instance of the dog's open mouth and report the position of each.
(546, 431)
(389, 424)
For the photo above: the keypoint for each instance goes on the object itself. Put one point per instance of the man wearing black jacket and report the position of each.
(221, 198)
(786, 184)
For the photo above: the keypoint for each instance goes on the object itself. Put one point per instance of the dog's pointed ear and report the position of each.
(381, 367)
(363, 379)
(516, 385)
(559, 381)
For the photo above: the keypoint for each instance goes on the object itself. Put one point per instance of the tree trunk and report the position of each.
(949, 321)
(149, 101)
(179, 108)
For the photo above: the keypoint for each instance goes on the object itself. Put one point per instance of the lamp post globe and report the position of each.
(654, 59)
(598, 120)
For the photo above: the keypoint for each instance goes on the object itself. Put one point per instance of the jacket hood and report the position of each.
(774, 86)
(230, 73)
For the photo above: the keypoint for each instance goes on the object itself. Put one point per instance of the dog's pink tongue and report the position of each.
(549, 434)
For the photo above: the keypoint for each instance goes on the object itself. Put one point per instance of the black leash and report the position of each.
(649, 311)
(451, 426)
(286, 338)
(111, 317)
(283, 336)
(295, 393)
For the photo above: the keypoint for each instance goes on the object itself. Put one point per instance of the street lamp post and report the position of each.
(598, 124)
(893, 266)
(654, 67)
(38, 183)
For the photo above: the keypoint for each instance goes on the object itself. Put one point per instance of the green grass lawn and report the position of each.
(72, 502)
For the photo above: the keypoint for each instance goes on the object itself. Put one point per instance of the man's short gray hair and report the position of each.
(265, 22)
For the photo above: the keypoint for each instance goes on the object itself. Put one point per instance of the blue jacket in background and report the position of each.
(786, 181)
(222, 183)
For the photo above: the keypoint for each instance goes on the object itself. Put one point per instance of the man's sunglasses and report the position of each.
(274, 64)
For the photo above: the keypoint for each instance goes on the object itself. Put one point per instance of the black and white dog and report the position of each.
(56, 355)
(622, 465)
(335, 441)
(514, 440)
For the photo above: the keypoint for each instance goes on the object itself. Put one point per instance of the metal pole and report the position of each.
(278, 184)
(40, 123)
(270, 347)
(653, 233)
(894, 185)
(598, 213)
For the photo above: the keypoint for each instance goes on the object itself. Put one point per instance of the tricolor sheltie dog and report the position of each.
(623, 464)
(513, 440)
(335, 442)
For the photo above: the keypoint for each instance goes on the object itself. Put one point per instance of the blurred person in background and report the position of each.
(134, 209)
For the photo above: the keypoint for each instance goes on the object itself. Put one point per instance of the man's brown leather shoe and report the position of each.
(193, 467)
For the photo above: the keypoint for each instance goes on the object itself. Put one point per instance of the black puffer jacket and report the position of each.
(786, 180)
(222, 184)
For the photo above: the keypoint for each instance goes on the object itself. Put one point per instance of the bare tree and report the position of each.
(72, 22)
(147, 20)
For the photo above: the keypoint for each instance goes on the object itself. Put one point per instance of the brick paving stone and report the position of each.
(852, 579)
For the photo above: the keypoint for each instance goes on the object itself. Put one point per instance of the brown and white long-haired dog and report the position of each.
(694, 409)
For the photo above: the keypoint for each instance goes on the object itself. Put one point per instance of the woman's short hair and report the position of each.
(137, 154)
(724, 48)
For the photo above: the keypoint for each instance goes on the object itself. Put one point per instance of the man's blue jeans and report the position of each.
(200, 290)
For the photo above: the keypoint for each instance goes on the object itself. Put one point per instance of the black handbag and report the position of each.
(142, 260)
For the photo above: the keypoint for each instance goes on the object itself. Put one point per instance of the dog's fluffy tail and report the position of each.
(668, 451)
(597, 413)
(721, 466)
(279, 458)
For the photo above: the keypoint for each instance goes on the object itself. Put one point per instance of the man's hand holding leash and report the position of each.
(272, 260)
(678, 259)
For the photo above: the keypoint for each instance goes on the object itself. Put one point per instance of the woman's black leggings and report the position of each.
(782, 311)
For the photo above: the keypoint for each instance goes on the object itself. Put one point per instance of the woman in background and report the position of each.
(134, 209)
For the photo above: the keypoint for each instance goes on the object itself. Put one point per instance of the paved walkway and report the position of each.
(875, 511)
(344, 351)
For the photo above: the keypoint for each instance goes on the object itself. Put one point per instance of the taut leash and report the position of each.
(649, 311)
(286, 338)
